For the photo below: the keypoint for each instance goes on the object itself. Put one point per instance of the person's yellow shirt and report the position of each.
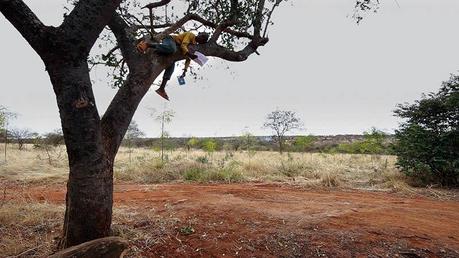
(184, 39)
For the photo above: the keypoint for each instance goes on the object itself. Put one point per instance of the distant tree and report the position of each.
(374, 142)
(247, 141)
(210, 146)
(133, 132)
(303, 143)
(165, 117)
(282, 122)
(5, 118)
(193, 142)
(427, 142)
(21, 136)
(51, 143)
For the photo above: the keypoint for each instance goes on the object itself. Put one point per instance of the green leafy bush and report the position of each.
(427, 142)
(374, 142)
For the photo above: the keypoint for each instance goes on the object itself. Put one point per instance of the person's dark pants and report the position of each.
(167, 47)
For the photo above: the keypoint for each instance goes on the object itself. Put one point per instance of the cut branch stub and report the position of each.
(109, 247)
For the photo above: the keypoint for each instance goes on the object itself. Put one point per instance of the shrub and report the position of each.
(210, 146)
(428, 139)
(374, 142)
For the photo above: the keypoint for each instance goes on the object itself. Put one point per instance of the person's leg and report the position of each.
(167, 47)
(166, 77)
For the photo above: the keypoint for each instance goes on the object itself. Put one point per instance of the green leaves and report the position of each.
(428, 140)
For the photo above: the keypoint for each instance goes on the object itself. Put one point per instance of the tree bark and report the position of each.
(90, 186)
(109, 247)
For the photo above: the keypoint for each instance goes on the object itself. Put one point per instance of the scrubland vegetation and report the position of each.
(144, 166)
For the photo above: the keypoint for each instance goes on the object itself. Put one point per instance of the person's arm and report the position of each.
(187, 65)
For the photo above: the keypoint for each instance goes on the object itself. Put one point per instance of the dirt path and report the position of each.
(259, 220)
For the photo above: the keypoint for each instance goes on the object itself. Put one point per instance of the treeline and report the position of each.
(373, 142)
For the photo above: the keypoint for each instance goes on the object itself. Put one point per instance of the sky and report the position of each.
(339, 77)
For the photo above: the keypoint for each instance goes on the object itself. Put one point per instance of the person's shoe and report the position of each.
(162, 93)
(142, 46)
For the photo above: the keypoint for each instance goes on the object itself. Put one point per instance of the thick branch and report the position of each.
(86, 21)
(125, 37)
(156, 4)
(258, 18)
(195, 17)
(123, 106)
(25, 21)
(213, 49)
(220, 28)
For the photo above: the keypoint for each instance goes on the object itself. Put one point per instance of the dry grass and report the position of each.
(33, 229)
(141, 165)
(30, 227)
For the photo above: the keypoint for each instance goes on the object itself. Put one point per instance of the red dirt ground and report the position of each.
(260, 220)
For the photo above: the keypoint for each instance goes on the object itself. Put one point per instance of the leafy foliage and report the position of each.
(210, 145)
(374, 142)
(244, 15)
(302, 143)
(192, 143)
(363, 7)
(428, 140)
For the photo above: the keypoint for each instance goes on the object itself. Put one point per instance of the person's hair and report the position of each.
(202, 37)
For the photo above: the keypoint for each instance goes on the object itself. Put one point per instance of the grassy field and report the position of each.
(144, 166)
(33, 227)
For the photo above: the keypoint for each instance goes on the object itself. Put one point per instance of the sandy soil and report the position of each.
(261, 220)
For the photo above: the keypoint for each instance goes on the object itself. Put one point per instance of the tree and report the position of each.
(5, 117)
(89, 141)
(303, 143)
(210, 146)
(192, 143)
(51, 144)
(21, 136)
(133, 132)
(428, 138)
(165, 117)
(282, 122)
(374, 142)
(93, 141)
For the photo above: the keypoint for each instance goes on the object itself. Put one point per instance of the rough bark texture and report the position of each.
(89, 188)
(64, 51)
(109, 247)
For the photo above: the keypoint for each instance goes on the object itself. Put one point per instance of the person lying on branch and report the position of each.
(169, 46)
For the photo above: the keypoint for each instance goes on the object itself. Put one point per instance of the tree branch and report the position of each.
(26, 22)
(123, 106)
(125, 36)
(88, 18)
(213, 49)
(220, 28)
(189, 17)
(268, 20)
(258, 18)
(156, 4)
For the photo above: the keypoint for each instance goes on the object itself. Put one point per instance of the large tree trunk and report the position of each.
(90, 186)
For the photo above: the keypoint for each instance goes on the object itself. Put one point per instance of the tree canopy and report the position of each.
(428, 139)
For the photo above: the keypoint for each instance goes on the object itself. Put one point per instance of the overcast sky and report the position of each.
(339, 77)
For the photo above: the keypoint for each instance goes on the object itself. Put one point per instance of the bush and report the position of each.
(427, 141)
(374, 142)
(225, 175)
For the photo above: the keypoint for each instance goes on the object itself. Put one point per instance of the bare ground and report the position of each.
(266, 220)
